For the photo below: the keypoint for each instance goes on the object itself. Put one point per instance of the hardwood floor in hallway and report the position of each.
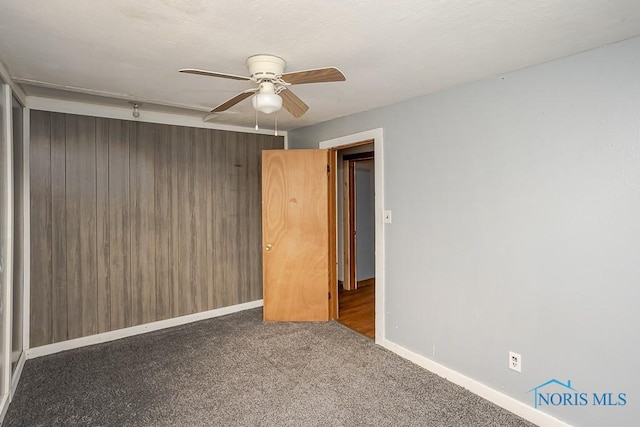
(356, 309)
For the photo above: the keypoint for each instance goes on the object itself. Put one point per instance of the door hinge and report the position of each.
(329, 295)
(328, 168)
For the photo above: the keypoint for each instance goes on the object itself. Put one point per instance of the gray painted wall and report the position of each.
(516, 226)
(365, 221)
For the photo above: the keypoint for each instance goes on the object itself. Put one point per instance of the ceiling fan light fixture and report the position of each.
(267, 103)
(273, 90)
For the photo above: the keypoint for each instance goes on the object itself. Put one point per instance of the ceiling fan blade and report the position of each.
(293, 104)
(233, 101)
(319, 75)
(213, 74)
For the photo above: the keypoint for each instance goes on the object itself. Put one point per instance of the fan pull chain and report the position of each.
(256, 119)
(276, 124)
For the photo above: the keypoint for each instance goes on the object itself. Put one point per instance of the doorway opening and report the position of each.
(355, 236)
(374, 136)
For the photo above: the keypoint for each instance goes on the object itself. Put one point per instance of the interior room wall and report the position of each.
(365, 221)
(515, 227)
(12, 236)
(135, 222)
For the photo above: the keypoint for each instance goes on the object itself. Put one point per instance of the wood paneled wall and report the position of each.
(135, 222)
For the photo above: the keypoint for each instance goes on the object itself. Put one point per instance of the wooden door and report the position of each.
(295, 234)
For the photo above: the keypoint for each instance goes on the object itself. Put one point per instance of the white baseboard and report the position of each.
(507, 402)
(45, 350)
(8, 397)
(16, 374)
(4, 406)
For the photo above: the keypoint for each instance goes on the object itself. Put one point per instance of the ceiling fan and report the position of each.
(273, 83)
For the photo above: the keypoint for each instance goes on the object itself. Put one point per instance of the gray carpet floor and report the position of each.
(238, 371)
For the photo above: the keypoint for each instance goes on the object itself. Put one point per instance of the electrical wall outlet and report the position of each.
(515, 361)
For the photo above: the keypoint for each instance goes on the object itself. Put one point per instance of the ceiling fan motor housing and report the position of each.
(265, 67)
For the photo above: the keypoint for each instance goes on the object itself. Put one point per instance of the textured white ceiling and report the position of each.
(389, 50)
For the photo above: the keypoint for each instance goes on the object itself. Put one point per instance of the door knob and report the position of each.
(268, 247)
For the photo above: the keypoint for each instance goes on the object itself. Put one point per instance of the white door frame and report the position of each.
(7, 286)
(377, 136)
